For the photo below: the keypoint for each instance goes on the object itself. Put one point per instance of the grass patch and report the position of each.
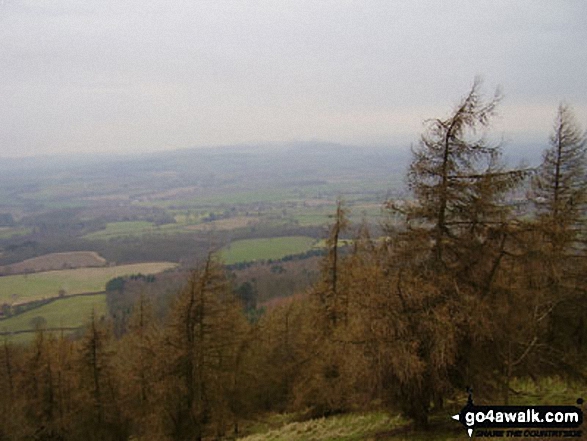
(261, 249)
(225, 197)
(550, 390)
(25, 288)
(349, 427)
(312, 219)
(380, 425)
(72, 312)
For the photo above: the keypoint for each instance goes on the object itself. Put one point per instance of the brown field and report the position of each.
(55, 261)
(226, 224)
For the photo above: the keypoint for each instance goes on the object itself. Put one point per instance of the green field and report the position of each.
(228, 197)
(311, 219)
(69, 312)
(25, 288)
(260, 249)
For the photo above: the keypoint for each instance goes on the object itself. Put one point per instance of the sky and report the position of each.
(112, 76)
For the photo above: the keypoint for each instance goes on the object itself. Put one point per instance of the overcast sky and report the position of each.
(131, 76)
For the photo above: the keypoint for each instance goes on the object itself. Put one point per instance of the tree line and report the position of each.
(472, 285)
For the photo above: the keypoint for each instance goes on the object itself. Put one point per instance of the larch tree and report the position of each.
(139, 367)
(559, 188)
(326, 384)
(202, 346)
(559, 194)
(99, 414)
(445, 261)
(330, 292)
(457, 179)
(39, 388)
(12, 403)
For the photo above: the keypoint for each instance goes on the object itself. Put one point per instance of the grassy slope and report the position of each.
(273, 248)
(23, 288)
(348, 427)
(383, 426)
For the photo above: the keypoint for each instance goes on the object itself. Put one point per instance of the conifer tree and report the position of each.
(331, 295)
(559, 188)
(139, 366)
(12, 404)
(333, 379)
(39, 388)
(99, 414)
(559, 194)
(202, 349)
(458, 181)
(443, 265)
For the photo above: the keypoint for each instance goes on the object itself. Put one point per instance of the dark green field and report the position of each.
(263, 249)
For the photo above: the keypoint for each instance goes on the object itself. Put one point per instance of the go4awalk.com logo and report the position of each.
(521, 421)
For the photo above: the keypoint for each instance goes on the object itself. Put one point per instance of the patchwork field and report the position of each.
(260, 249)
(25, 288)
(56, 261)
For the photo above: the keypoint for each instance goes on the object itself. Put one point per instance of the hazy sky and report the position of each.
(130, 76)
